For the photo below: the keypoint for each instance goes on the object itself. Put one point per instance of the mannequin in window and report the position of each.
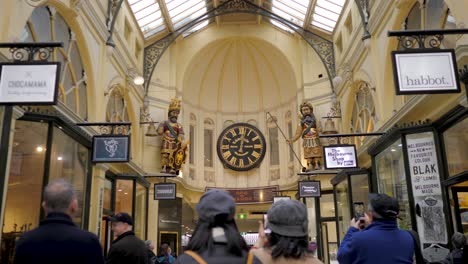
(309, 132)
(173, 149)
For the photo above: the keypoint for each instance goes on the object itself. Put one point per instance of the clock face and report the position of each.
(241, 147)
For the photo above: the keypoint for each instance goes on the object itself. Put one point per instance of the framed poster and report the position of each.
(425, 71)
(165, 191)
(111, 148)
(26, 83)
(309, 189)
(340, 157)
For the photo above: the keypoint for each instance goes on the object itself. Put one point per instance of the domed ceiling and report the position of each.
(239, 75)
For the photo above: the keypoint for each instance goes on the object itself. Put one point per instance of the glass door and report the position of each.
(460, 208)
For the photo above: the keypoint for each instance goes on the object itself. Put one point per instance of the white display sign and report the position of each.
(425, 72)
(422, 158)
(427, 189)
(339, 157)
(29, 83)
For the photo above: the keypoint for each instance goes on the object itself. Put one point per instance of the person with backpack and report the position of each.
(216, 239)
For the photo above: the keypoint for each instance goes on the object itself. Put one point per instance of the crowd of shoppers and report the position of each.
(374, 238)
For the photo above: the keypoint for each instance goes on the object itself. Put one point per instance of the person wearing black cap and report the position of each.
(58, 239)
(286, 239)
(126, 248)
(216, 239)
(381, 241)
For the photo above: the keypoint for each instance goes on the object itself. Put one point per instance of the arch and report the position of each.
(323, 47)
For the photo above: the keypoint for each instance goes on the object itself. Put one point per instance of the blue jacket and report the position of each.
(58, 240)
(381, 242)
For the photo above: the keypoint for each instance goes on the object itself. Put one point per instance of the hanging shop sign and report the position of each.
(33, 83)
(426, 187)
(111, 148)
(309, 189)
(165, 191)
(340, 156)
(427, 71)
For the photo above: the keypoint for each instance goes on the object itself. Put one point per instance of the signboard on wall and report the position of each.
(426, 186)
(252, 195)
(165, 191)
(425, 71)
(279, 198)
(29, 83)
(340, 156)
(111, 148)
(309, 189)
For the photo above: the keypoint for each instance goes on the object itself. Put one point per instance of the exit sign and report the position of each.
(242, 216)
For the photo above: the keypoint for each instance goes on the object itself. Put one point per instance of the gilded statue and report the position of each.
(173, 149)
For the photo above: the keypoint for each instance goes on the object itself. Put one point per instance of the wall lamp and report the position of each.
(136, 78)
(363, 7)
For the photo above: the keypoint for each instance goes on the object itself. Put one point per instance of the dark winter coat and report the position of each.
(456, 255)
(381, 242)
(58, 240)
(127, 249)
(218, 256)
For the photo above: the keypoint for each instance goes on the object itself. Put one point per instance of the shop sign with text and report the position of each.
(165, 191)
(29, 83)
(340, 156)
(309, 189)
(425, 71)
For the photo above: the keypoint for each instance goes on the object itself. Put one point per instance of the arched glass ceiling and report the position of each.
(155, 16)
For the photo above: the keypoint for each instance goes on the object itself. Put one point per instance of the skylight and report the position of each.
(182, 12)
(291, 10)
(155, 16)
(148, 15)
(326, 13)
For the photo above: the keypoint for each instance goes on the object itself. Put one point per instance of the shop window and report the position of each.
(124, 196)
(140, 211)
(69, 160)
(72, 86)
(343, 209)
(391, 179)
(456, 156)
(25, 183)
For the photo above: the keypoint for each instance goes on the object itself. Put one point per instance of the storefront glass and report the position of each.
(360, 188)
(140, 211)
(23, 200)
(69, 160)
(457, 156)
(124, 196)
(391, 179)
(343, 210)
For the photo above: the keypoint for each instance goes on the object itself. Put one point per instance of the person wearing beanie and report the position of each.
(216, 239)
(285, 239)
(381, 241)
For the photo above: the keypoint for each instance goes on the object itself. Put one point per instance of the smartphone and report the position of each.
(358, 210)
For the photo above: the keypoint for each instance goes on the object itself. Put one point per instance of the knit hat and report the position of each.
(288, 218)
(216, 202)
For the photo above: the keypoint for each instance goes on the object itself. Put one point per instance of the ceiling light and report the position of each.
(119, 190)
(39, 149)
(59, 158)
(138, 80)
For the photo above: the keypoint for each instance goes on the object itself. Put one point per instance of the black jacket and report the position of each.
(218, 256)
(58, 240)
(128, 249)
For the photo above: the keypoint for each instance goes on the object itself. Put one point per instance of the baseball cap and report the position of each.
(384, 205)
(288, 218)
(121, 217)
(215, 202)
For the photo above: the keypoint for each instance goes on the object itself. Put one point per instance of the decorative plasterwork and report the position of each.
(154, 52)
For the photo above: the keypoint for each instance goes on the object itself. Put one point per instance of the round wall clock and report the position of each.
(241, 147)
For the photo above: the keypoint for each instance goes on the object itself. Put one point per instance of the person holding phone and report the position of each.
(380, 241)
